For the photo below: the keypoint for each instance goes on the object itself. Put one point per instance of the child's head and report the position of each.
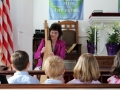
(54, 67)
(20, 60)
(87, 68)
(116, 65)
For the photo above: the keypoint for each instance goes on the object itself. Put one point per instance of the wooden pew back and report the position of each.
(60, 86)
(68, 75)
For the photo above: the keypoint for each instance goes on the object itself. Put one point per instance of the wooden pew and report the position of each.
(68, 74)
(60, 86)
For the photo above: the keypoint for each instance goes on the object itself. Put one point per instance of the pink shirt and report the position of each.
(77, 81)
(113, 80)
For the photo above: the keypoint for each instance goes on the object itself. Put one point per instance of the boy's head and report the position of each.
(20, 60)
(87, 68)
(54, 66)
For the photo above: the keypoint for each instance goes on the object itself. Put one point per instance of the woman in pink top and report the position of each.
(115, 71)
(58, 46)
(86, 70)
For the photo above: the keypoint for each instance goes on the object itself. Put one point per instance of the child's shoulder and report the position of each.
(77, 81)
(113, 80)
(74, 81)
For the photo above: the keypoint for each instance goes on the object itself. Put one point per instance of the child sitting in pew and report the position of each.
(115, 70)
(86, 70)
(20, 62)
(54, 69)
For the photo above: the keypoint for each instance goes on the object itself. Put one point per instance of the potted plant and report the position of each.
(91, 38)
(113, 40)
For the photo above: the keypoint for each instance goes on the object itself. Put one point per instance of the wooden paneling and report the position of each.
(105, 61)
(36, 42)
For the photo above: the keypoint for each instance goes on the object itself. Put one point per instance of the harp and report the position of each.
(48, 49)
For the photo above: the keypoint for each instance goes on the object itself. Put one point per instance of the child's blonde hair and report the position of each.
(87, 68)
(54, 66)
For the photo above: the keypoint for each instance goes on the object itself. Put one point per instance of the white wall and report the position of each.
(41, 13)
(28, 15)
(22, 22)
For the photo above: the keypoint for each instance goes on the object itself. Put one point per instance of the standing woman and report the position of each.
(58, 46)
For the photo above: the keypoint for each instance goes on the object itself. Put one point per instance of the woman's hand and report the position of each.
(43, 50)
(51, 54)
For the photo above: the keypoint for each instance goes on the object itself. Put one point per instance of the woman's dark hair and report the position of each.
(56, 27)
(116, 66)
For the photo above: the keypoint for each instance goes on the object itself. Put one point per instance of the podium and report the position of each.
(103, 19)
